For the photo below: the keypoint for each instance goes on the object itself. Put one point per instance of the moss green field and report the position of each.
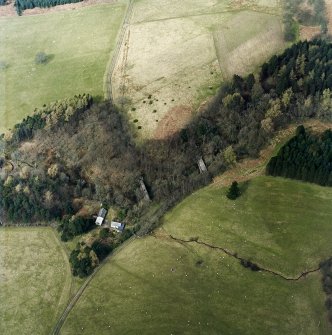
(35, 280)
(279, 223)
(157, 285)
(79, 44)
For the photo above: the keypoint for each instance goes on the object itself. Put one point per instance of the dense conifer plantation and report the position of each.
(21, 5)
(305, 157)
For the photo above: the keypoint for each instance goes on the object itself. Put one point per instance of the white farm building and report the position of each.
(101, 216)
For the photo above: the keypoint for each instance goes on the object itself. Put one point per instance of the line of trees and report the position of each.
(54, 114)
(73, 226)
(21, 5)
(305, 157)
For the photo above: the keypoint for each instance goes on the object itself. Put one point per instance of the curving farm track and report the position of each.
(120, 40)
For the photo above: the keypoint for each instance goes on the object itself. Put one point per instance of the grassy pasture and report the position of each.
(78, 43)
(246, 41)
(157, 286)
(173, 53)
(282, 224)
(35, 280)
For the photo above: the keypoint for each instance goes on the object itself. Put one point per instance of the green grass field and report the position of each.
(35, 280)
(79, 45)
(282, 224)
(156, 285)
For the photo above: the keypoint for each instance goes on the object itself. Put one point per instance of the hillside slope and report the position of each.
(166, 286)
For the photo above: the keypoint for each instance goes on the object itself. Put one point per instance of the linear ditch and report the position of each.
(246, 262)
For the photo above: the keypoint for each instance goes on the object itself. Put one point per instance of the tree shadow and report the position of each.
(244, 186)
(49, 58)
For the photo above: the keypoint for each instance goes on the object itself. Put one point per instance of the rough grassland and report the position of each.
(282, 224)
(172, 53)
(246, 41)
(78, 43)
(35, 280)
(328, 4)
(159, 286)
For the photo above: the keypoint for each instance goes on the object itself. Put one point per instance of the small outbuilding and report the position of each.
(101, 216)
(118, 226)
(201, 165)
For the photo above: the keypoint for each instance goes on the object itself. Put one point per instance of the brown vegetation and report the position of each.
(176, 119)
(249, 168)
(309, 32)
(329, 14)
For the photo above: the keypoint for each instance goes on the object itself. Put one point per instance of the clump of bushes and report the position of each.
(41, 58)
(73, 226)
(250, 265)
(83, 260)
(234, 191)
(52, 115)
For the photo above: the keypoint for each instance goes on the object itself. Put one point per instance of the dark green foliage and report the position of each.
(41, 58)
(3, 2)
(249, 265)
(125, 235)
(234, 191)
(21, 5)
(70, 227)
(326, 270)
(305, 157)
(81, 261)
(84, 259)
(30, 206)
(54, 114)
(101, 248)
(104, 233)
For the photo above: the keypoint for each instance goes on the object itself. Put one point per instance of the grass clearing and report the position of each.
(35, 280)
(78, 44)
(281, 224)
(171, 53)
(158, 286)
